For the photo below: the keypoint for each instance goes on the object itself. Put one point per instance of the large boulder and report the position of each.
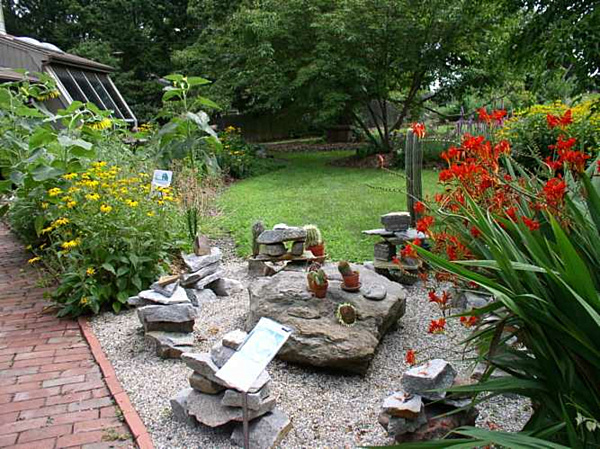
(318, 339)
(174, 318)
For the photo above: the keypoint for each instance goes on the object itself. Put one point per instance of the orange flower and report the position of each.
(419, 207)
(468, 322)
(562, 122)
(532, 224)
(437, 326)
(476, 233)
(419, 129)
(424, 224)
(410, 358)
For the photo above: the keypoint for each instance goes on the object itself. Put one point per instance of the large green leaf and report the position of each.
(45, 172)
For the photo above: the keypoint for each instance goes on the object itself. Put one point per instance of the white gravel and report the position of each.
(327, 409)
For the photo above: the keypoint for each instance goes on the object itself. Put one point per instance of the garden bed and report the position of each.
(327, 409)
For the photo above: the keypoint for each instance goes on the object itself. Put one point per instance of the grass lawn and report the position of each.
(308, 190)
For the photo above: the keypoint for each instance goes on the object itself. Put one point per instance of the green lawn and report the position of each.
(308, 190)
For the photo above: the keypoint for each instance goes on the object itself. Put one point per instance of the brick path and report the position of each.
(52, 392)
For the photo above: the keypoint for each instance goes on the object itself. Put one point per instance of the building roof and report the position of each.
(40, 53)
(12, 75)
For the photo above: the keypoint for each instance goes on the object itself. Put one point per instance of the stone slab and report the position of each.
(170, 345)
(281, 235)
(204, 385)
(178, 297)
(403, 405)
(234, 339)
(436, 374)
(179, 406)
(187, 280)
(266, 432)
(195, 263)
(165, 289)
(201, 284)
(233, 398)
(173, 318)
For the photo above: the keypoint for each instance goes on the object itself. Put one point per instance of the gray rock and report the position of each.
(317, 338)
(281, 235)
(468, 300)
(197, 297)
(266, 432)
(179, 405)
(403, 405)
(201, 284)
(195, 263)
(201, 245)
(136, 301)
(226, 287)
(384, 251)
(188, 280)
(170, 345)
(234, 339)
(205, 385)
(178, 297)
(396, 221)
(374, 292)
(433, 375)
(368, 264)
(233, 398)
(166, 290)
(399, 426)
(258, 268)
(480, 369)
(220, 354)
(297, 249)
(273, 250)
(174, 318)
(208, 410)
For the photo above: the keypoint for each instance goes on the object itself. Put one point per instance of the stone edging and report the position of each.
(133, 420)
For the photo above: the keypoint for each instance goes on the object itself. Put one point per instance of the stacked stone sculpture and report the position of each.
(168, 309)
(416, 412)
(213, 403)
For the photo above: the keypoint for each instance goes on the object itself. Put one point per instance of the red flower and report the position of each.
(554, 191)
(437, 326)
(419, 129)
(395, 260)
(552, 120)
(468, 322)
(476, 233)
(483, 115)
(552, 164)
(445, 175)
(498, 115)
(410, 358)
(408, 252)
(512, 213)
(433, 297)
(424, 224)
(533, 225)
(555, 120)
(419, 207)
(563, 145)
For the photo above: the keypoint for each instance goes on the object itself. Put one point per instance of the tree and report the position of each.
(335, 59)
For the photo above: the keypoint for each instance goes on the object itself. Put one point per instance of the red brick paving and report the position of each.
(52, 391)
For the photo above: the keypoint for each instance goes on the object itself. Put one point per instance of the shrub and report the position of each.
(105, 235)
(237, 158)
(531, 136)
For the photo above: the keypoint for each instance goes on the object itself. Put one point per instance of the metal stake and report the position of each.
(245, 417)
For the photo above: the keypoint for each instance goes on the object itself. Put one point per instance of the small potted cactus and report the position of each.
(318, 283)
(350, 276)
(314, 240)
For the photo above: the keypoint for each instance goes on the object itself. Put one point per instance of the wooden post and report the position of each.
(413, 164)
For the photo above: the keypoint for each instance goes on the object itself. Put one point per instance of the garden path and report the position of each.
(53, 393)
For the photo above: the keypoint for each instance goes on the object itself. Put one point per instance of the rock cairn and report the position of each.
(396, 232)
(169, 308)
(413, 413)
(278, 248)
(213, 403)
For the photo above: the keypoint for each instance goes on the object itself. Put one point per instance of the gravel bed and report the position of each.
(327, 409)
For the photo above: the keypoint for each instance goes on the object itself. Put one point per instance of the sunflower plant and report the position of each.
(106, 234)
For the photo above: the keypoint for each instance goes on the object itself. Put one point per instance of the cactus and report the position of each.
(346, 314)
(318, 277)
(344, 268)
(257, 229)
(313, 236)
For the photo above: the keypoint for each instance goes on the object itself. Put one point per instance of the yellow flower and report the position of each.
(151, 213)
(54, 191)
(70, 244)
(90, 271)
(131, 203)
(124, 190)
(28, 247)
(66, 199)
(99, 164)
(74, 189)
(34, 260)
(93, 196)
(44, 205)
(71, 204)
(70, 176)
(83, 301)
(48, 229)
(105, 208)
(60, 222)
(102, 124)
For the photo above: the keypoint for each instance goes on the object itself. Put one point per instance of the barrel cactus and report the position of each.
(346, 314)
(344, 268)
(313, 236)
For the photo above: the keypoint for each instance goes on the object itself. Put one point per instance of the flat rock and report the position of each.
(379, 232)
(202, 245)
(403, 405)
(468, 300)
(396, 221)
(226, 287)
(297, 248)
(266, 432)
(233, 398)
(174, 318)
(208, 410)
(205, 385)
(195, 263)
(281, 235)
(170, 345)
(433, 375)
(136, 301)
(178, 297)
(258, 268)
(273, 249)
(234, 339)
(190, 279)
(166, 290)
(374, 292)
(197, 297)
(179, 406)
(396, 426)
(220, 354)
(201, 284)
(318, 339)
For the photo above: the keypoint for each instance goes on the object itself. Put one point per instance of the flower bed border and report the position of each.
(132, 419)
